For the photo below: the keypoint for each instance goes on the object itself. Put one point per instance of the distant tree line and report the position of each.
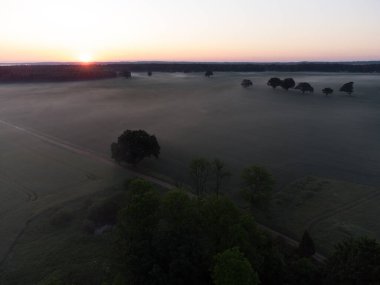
(54, 73)
(304, 87)
(30, 73)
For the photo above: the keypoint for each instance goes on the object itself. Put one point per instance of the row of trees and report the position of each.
(289, 83)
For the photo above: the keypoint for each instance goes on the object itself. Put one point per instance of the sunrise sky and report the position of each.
(182, 30)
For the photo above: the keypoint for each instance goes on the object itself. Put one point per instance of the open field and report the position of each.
(291, 134)
(326, 208)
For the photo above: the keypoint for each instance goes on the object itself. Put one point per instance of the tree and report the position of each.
(274, 82)
(355, 261)
(288, 83)
(137, 225)
(199, 172)
(258, 184)
(150, 73)
(133, 146)
(127, 74)
(348, 88)
(220, 174)
(246, 83)
(232, 268)
(327, 91)
(209, 73)
(305, 87)
(306, 247)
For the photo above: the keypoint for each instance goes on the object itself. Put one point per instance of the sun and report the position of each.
(85, 58)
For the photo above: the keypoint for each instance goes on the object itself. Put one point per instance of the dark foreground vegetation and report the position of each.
(173, 237)
(38, 73)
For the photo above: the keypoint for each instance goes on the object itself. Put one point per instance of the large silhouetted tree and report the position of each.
(134, 146)
(288, 83)
(348, 88)
(274, 82)
(304, 87)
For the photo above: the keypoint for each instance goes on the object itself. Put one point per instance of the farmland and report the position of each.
(55, 140)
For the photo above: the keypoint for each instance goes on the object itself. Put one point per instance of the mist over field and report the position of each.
(55, 150)
(292, 134)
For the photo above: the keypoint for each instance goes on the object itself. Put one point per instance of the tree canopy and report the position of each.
(232, 268)
(209, 73)
(327, 91)
(246, 83)
(274, 82)
(355, 261)
(347, 88)
(258, 184)
(288, 83)
(133, 146)
(304, 87)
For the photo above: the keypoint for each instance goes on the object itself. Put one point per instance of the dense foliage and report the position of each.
(274, 82)
(355, 261)
(304, 87)
(179, 239)
(327, 91)
(347, 88)
(133, 146)
(246, 83)
(288, 83)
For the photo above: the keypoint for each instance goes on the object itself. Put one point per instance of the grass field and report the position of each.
(293, 135)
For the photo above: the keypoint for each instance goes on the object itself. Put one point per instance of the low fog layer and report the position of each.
(291, 134)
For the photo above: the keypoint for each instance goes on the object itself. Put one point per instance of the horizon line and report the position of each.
(187, 62)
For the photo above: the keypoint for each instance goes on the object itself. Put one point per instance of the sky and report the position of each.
(182, 30)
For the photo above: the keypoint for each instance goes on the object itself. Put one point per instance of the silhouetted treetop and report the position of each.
(348, 88)
(246, 83)
(134, 146)
(274, 82)
(288, 83)
(327, 91)
(304, 87)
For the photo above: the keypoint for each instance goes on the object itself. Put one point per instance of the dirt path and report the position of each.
(91, 154)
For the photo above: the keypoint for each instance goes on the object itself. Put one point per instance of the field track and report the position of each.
(88, 153)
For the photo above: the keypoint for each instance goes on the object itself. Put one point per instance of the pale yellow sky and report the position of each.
(198, 30)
